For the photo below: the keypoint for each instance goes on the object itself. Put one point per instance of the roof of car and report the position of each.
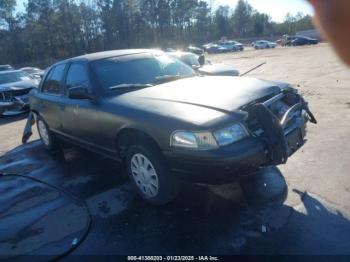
(9, 71)
(113, 53)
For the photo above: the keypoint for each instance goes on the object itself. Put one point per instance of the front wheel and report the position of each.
(45, 134)
(149, 174)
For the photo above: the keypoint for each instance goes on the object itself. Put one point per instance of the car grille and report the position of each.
(287, 101)
(253, 124)
(9, 95)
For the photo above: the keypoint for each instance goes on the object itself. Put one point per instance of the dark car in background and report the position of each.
(195, 50)
(34, 71)
(205, 67)
(6, 68)
(165, 122)
(303, 40)
(15, 86)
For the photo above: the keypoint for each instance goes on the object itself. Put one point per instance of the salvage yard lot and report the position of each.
(228, 219)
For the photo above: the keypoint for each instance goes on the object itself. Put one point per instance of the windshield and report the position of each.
(12, 77)
(139, 70)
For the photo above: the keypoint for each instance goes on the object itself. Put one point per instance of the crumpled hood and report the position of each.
(217, 69)
(199, 99)
(18, 85)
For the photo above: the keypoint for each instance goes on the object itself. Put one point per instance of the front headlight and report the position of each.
(195, 140)
(230, 134)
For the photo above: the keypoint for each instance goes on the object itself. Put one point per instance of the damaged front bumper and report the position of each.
(275, 136)
(285, 133)
(16, 105)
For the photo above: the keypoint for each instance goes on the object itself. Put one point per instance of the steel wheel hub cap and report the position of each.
(145, 175)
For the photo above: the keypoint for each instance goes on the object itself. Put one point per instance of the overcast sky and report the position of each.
(277, 9)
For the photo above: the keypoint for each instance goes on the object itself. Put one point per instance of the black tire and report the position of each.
(168, 186)
(50, 142)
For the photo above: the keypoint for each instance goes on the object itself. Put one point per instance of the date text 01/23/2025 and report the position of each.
(173, 258)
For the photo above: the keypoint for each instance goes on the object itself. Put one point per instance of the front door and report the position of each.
(79, 116)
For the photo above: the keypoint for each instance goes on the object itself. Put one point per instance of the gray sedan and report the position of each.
(15, 86)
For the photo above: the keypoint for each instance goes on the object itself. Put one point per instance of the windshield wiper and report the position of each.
(130, 86)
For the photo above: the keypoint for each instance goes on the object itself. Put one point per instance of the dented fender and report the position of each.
(27, 132)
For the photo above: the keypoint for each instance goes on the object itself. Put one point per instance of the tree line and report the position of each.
(49, 30)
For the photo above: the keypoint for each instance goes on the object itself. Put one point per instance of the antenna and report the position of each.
(252, 69)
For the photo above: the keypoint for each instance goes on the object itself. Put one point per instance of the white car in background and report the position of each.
(262, 44)
(232, 46)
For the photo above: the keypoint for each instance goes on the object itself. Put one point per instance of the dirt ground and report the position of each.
(312, 218)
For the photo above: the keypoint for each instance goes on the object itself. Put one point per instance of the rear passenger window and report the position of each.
(52, 84)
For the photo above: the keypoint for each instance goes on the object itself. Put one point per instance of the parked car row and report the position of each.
(223, 47)
(226, 46)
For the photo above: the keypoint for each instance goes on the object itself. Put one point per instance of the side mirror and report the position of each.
(201, 60)
(79, 92)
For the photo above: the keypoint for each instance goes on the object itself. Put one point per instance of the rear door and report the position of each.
(80, 116)
(50, 95)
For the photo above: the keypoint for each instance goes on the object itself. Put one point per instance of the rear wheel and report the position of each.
(45, 134)
(149, 174)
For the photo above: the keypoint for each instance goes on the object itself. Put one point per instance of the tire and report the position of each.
(46, 136)
(149, 174)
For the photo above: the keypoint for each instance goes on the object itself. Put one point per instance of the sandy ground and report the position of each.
(215, 220)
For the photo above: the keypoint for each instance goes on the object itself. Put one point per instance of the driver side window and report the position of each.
(77, 76)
